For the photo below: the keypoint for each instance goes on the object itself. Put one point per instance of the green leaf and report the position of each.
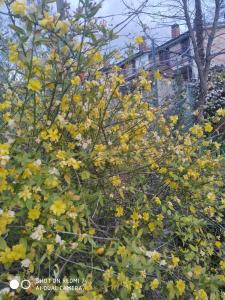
(23, 242)
(110, 252)
(68, 227)
(18, 29)
(3, 244)
(85, 175)
(29, 203)
(42, 259)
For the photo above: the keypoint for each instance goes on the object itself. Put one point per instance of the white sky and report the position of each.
(112, 7)
(160, 31)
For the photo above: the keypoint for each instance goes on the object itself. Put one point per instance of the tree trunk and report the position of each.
(199, 30)
(203, 89)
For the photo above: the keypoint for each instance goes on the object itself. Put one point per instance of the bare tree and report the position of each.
(202, 54)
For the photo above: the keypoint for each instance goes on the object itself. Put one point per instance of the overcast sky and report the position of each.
(113, 7)
(160, 30)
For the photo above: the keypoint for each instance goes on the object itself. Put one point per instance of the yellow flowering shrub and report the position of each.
(96, 184)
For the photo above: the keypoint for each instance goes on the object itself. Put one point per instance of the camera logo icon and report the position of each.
(24, 284)
(14, 284)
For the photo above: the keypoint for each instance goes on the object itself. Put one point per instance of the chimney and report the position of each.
(175, 31)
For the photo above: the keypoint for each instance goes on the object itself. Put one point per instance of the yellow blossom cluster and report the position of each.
(6, 218)
(17, 252)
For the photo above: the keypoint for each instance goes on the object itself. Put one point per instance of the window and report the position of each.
(184, 45)
(164, 57)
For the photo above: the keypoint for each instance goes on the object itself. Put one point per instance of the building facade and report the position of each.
(173, 58)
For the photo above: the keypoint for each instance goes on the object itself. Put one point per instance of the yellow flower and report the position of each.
(97, 57)
(200, 295)
(91, 231)
(100, 250)
(108, 274)
(116, 181)
(149, 115)
(61, 155)
(146, 216)
(6, 117)
(209, 211)
(13, 53)
(211, 196)
(151, 227)
(77, 98)
(157, 75)
(127, 284)
(34, 213)
(25, 194)
(197, 130)
(19, 251)
(197, 270)
(124, 138)
(221, 112)
(5, 219)
(62, 26)
(34, 85)
(157, 201)
(61, 296)
(143, 274)
(76, 81)
(208, 127)
(119, 211)
(160, 217)
(148, 87)
(155, 256)
(217, 145)
(47, 21)
(5, 105)
(100, 148)
(50, 248)
(139, 40)
(53, 134)
(222, 265)
(218, 244)
(18, 8)
(58, 207)
(175, 261)
(122, 251)
(51, 182)
(174, 119)
(16, 253)
(75, 164)
(87, 286)
(193, 174)
(163, 170)
(135, 216)
(137, 285)
(180, 284)
(154, 284)
(65, 103)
